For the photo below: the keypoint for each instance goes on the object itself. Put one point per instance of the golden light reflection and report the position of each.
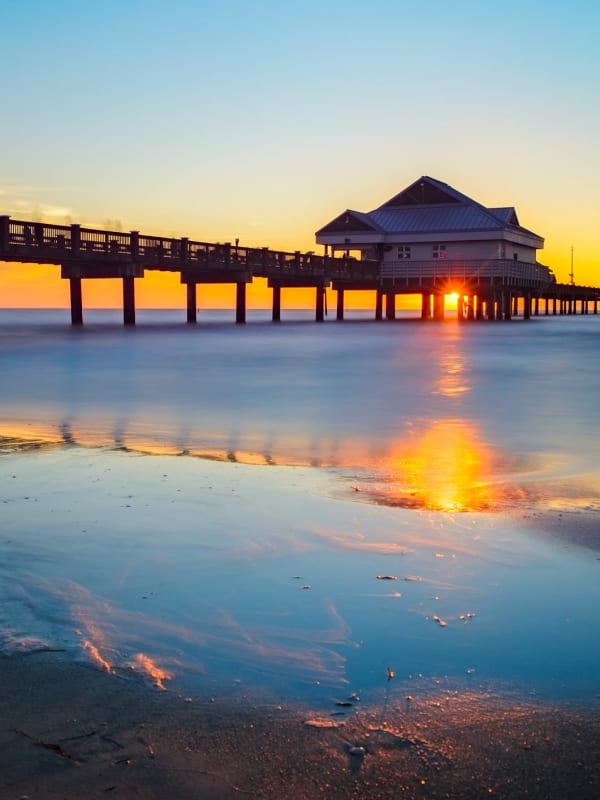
(149, 668)
(452, 378)
(96, 657)
(445, 468)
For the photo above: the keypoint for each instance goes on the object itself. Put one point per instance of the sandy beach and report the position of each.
(71, 731)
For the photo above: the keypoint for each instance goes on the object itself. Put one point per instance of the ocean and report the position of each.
(305, 510)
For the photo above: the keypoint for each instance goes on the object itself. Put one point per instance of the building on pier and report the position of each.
(429, 222)
(431, 239)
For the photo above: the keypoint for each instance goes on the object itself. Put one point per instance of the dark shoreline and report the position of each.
(71, 731)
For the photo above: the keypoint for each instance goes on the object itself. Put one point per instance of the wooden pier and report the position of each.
(487, 290)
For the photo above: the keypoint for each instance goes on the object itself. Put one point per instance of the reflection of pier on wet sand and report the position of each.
(442, 466)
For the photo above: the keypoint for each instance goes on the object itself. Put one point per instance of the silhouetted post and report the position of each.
(129, 300)
(507, 305)
(320, 304)
(425, 305)
(536, 305)
(379, 305)
(491, 306)
(554, 306)
(134, 245)
(500, 304)
(438, 306)
(527, 305)
(184, 249)
(340, 304)
(4, 232)
(240, 302)
(460, 308)
(471, 307)
(595, 305)
(75, 239)
(515, 304)
(76, 301)
(390, 305)
(479, 310)
(191, 303)
(277, 304)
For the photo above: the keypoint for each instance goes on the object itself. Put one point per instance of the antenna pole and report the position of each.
(571, 274)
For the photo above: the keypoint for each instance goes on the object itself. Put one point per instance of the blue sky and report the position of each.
(263, 120)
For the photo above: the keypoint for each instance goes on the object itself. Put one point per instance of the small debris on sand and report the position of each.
(322, 723)
(357, 752)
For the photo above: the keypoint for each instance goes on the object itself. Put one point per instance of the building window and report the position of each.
(404, 251)
(439, 251)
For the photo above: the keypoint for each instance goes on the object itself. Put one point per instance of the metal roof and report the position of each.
(429, 219)
(429, 206)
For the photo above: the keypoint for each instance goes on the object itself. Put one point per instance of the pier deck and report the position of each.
(495, 289)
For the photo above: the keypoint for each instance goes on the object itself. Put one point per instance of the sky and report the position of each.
(263, 120)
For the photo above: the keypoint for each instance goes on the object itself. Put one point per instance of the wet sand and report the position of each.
(71, 731)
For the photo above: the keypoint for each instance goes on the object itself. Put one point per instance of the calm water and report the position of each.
(221, 500)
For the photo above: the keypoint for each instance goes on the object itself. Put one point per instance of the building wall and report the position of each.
(490, 249)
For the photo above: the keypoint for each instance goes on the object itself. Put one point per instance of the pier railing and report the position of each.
(67, 244)
(505, 271)
(40, 241)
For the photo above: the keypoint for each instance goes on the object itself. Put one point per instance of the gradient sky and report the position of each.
(263, 120)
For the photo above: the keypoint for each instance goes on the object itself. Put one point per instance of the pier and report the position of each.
(496, 289)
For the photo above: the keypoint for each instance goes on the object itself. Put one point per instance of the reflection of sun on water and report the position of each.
(446, 469)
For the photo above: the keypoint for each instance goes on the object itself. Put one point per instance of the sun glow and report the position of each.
(445, 469)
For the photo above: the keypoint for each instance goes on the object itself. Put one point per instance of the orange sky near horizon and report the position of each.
(40, 286)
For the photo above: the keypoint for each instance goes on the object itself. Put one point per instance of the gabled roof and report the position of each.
(351, 221)
(426, 191)
(507, 215)
(427, 206)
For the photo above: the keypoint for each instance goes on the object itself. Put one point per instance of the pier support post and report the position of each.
(76, 302)
(507, 304)
(191, 303)
(276, 316)
(479, 310)
(320, 304)
(379, 305)
(438, 306)
(460, 308)
(129, 301)
(426, 305)
(4, 232)
(527, 305)
(491, 306)
(340, 305)
(536, 305)
(471, 307)
(240, 303)
(390, 305)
